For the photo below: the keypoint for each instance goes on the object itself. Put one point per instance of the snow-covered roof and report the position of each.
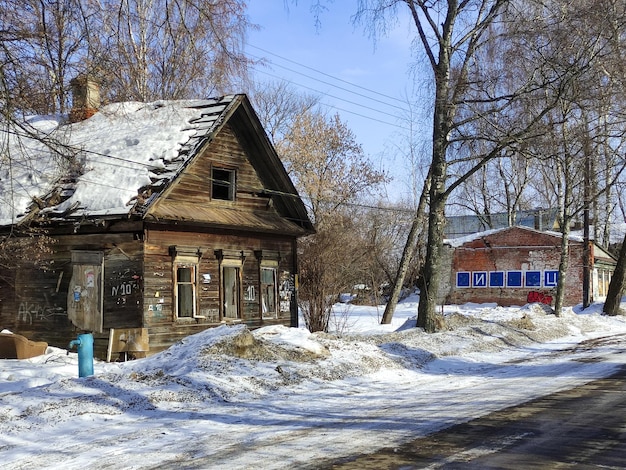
(460, 241)
(96, 167)
(573, 237)
(457, 242)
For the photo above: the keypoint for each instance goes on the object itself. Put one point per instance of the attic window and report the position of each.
(223, 184)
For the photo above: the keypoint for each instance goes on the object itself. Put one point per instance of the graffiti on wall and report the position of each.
(36, 311)
(539, 297)
(124, 284)
(285, 290)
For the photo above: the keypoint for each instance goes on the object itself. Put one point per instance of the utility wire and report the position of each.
(386, 103)
(325, 74)
(342, 99)
(332, 96)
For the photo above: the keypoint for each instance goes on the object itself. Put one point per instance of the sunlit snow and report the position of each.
(279, 398)
(116, 150)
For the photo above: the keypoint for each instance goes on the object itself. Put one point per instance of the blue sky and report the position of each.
(367, 83)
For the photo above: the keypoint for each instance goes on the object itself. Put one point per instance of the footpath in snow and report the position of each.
(279, 398)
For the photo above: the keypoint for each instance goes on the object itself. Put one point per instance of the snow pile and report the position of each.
(281, 398)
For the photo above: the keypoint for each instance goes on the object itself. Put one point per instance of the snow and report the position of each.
(460, 241)
(118, 148)
(280, 397)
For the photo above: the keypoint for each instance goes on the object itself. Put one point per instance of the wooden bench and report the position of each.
(19, 347)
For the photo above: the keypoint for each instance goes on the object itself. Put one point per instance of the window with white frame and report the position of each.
(269, 292)
(185, 278)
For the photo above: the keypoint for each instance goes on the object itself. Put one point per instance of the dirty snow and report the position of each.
(278, 398)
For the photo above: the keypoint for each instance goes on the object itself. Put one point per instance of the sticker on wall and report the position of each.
(90, 278)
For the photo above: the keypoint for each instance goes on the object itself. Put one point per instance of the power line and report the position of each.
(386, 103)
(341, 99)
(325, 74)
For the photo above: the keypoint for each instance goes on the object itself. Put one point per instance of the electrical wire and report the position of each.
(325, 74)
(300, 85)
(386, 103)
(342, 99)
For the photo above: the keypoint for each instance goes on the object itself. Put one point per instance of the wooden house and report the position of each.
(519, 265)
(170, 217)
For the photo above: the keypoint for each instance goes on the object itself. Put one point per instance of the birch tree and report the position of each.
(173, 48)
(44, 44)
(581, 147)
(615, 18)
(475, 101)
(139, 49)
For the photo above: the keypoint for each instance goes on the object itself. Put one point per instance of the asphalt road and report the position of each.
(581, 428)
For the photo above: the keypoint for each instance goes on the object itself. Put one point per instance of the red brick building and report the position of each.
(518, 265)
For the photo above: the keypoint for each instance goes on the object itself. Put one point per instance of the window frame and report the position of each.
(267, 313)
(218, 185)
(229, 258)
(237, 266)
(191, 263)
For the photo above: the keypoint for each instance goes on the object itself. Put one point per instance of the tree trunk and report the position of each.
(563, 265)
(431, 273)
(616, 287)
(407, 254)
(427, 308)
(443, 116)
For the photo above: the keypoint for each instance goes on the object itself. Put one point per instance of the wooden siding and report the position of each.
(194, 184)
(189, 198)
(159, 311)
(36, 305)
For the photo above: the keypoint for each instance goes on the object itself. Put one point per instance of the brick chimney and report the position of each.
(85, 97)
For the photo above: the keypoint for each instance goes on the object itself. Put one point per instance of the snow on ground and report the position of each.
(278, 398)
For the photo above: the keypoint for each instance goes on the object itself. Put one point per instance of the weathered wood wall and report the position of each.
(138, 262)
(35, 306)
(194, 185)
(159, 312)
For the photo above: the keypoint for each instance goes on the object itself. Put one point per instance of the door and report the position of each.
(84, 298)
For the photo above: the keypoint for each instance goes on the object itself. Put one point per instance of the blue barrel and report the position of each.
(84, 344)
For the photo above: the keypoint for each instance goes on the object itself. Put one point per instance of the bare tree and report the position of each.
(141, 49)
(331, 173)
(173, 48)
(278, 105)
(416, 232)
(615, 20)
(327, 164)
(44, 45)
(579, 165)
(500, 187)
(476, 100)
